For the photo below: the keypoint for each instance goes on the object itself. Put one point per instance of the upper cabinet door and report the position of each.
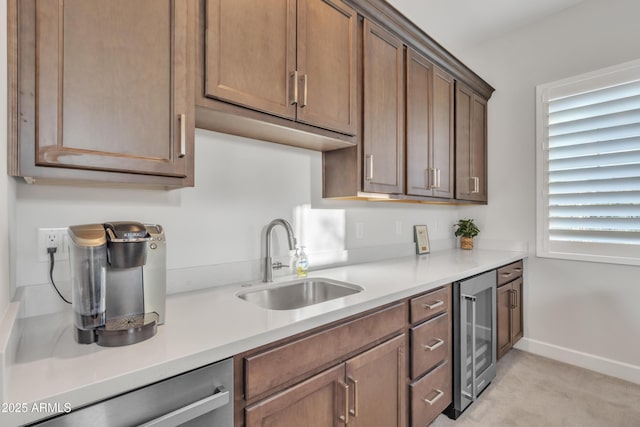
(430, 128)
(471, 145)
(383, 137)
(327, 65)
(421, 175)
(113, 86)
(443, 133)
(250, 51)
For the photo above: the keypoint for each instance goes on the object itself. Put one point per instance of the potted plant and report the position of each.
(466, 230)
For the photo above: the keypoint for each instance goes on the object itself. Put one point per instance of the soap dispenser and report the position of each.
(302, 263)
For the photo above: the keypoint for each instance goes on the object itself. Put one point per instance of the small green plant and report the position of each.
(466, 228)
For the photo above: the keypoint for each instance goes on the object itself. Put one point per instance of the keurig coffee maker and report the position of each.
(118, 280)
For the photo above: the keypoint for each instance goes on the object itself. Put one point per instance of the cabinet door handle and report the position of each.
(354, 411)
(183, 136)
(432, 180)
(439, 394)
(515, 298)
(433, 305)
(294, 86)
(438, 343)
(475, 184)
(438, 178)
(369, 166)
(304, 90)
(345, 388)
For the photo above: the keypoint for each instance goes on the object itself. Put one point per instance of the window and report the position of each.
(588, 166)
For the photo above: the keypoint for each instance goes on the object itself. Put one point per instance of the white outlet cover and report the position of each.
(62, 251)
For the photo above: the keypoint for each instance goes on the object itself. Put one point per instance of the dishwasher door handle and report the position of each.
(194, 410)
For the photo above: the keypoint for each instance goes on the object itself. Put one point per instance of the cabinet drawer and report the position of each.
(283, 365)
(509, 272)
(430, 344)
(431, 304)
(430, 395)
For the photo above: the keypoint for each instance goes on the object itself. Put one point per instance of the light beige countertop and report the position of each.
(205, 326)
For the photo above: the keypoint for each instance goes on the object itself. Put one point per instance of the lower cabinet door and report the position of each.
(503, 314)
(377, 384)
(430, 395)
(320, 401)
(517, 330)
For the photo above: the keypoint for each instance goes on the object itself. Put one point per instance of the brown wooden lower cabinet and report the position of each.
(509, 316)
(366, 390)
(431, 372)
(509, 307)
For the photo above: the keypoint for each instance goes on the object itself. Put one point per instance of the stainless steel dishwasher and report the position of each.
(198, 398)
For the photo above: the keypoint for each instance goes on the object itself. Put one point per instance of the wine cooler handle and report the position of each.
(472, 299)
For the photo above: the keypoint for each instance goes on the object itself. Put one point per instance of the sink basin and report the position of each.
(298, 294)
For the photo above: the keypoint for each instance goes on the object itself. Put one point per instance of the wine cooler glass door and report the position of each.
(477, 335)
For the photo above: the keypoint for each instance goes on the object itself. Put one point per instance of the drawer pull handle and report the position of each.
(518, 269)
(438, 343)
(431, 306)
(435, 399)
(506, 273)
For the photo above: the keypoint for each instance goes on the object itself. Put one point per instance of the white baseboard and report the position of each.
(613, 368)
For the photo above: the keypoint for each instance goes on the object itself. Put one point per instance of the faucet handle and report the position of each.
(278, 265)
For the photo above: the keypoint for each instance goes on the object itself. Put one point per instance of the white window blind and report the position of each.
(589, 166)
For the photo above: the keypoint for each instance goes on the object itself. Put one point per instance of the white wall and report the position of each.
(241, 185)
(576, 306)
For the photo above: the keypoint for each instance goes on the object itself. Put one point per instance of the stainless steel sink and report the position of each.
(298, 294)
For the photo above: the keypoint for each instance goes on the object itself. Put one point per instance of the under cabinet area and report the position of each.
(431, 371)
(509, 307)
(104, 91)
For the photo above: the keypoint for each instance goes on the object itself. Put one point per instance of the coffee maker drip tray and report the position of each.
(127, 330)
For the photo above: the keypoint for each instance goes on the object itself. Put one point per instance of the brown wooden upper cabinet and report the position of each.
(383, 108)
(430, 128)
(105, 86)
(471, 145)
(293, 59)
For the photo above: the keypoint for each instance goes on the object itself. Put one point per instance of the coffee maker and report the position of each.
(118, 281)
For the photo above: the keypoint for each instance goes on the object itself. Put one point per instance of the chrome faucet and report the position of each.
(269, 265)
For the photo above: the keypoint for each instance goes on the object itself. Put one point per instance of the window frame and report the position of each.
(628, 254)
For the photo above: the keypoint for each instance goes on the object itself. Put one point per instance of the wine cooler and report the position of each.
(474, 339)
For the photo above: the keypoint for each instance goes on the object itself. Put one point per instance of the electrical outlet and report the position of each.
(52, 238)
